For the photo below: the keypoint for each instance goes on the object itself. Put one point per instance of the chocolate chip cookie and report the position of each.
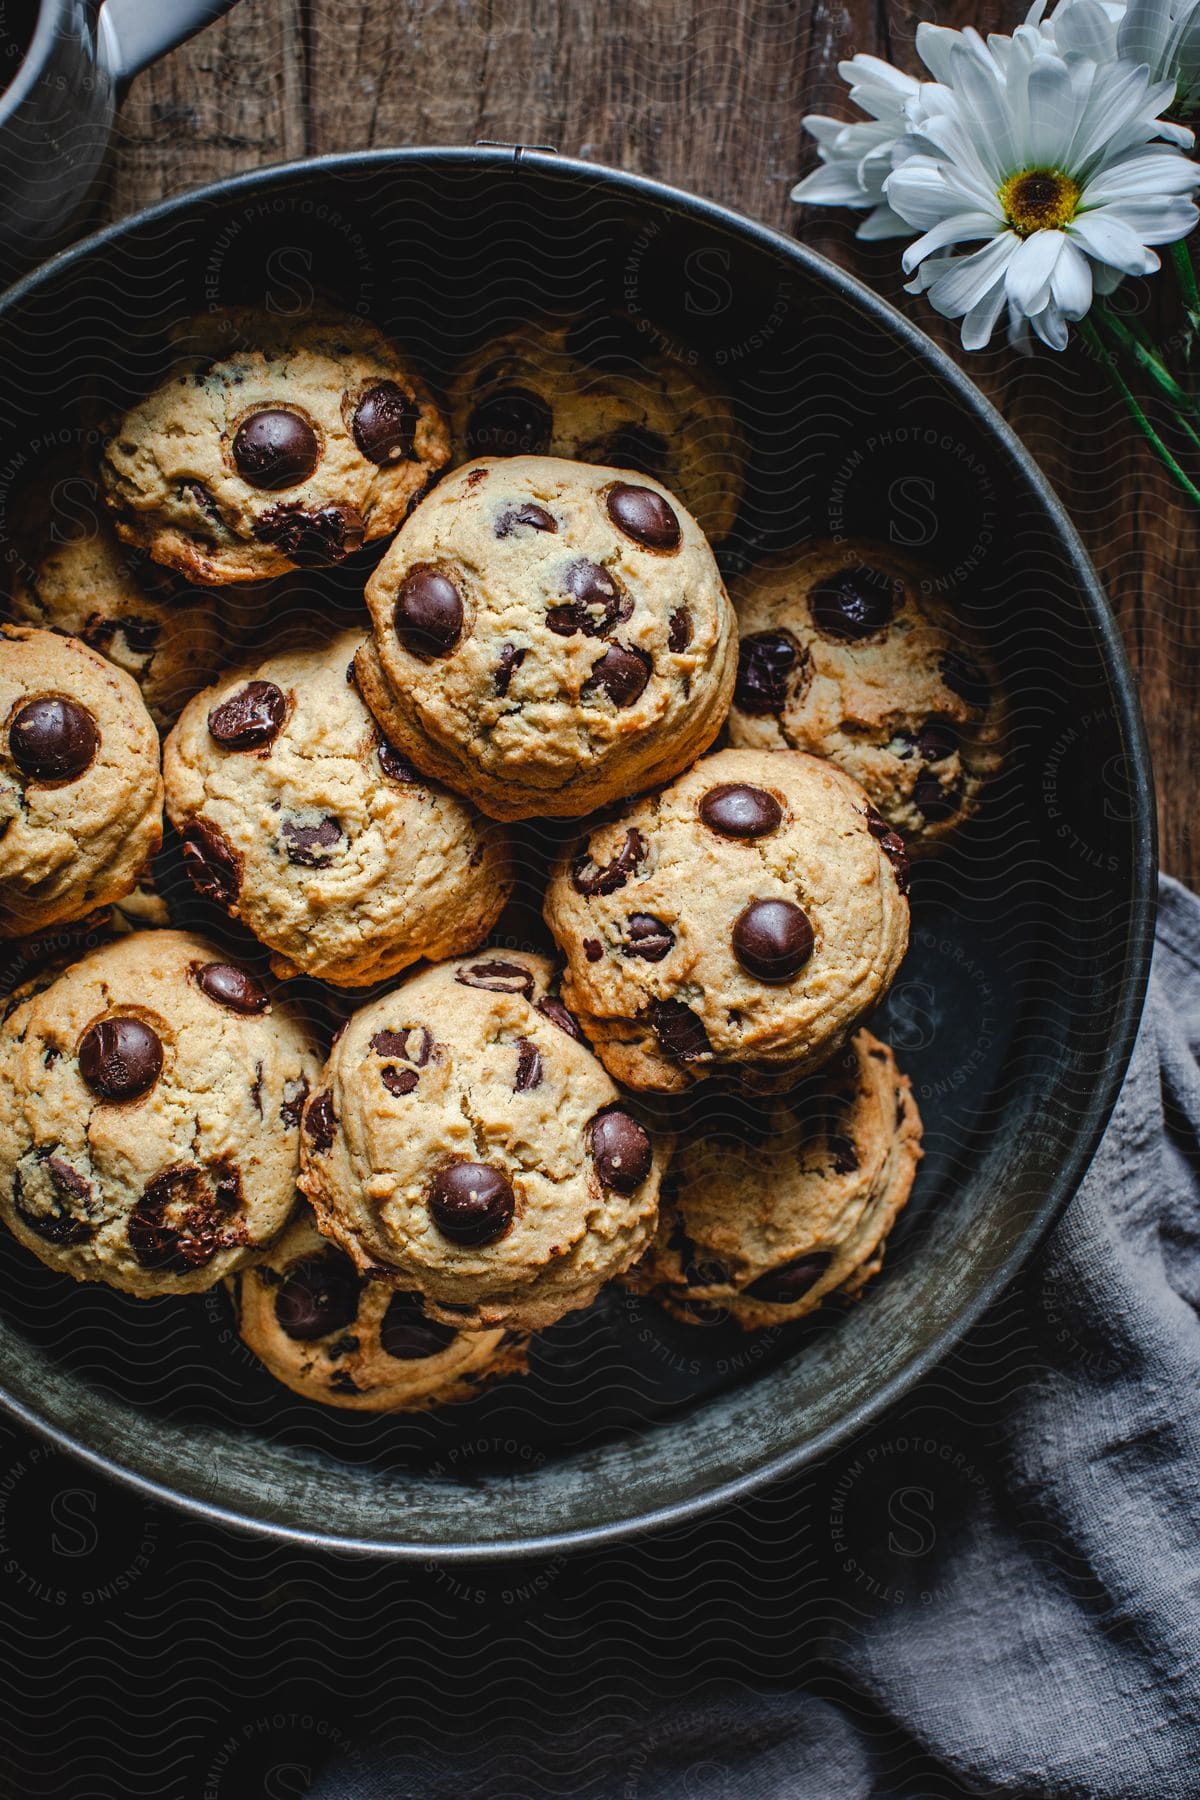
(274, 444)
(747, 915)
(847, 652)
(331, 1335)
(150, 1101)
(80, 788)
(779, 1203)
(549, 636)
(464, 1143)
(601, 390)
(320, 835)
(70, 572)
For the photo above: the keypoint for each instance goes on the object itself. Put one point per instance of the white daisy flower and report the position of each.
(856, 157)
(1050, 160)
(1163, 34)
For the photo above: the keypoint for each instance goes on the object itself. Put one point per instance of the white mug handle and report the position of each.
(131, 34)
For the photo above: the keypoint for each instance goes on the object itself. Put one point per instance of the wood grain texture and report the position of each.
(712, 99)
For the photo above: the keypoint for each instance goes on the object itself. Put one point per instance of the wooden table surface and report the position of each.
(710, 98)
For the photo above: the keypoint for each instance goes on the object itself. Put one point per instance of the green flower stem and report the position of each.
(1185, 274)
(1144, 354)
(1092, 338)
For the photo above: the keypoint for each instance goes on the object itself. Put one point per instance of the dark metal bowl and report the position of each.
(1015, 1012)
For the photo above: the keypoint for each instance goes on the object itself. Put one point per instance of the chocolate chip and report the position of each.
(397, 766)
(312, 538)
(275, 449)
(842, 1154)
(499, 977)
(765, 663)
(934, 801)
(471, 1203)
(342, 1382)
(679, 1031)
(554, 1010)
(620, 1149)
(319, 1295)
(120, 1059)
(593, 949)
(406, 1334)
(250, 718)
(399, 1081)
(622, 673)
(214, 866)
(936, 740)
(643, 515)
(735, 810)
(183, 1218)
(892, 845)
(614, 874)
(320, 1122)
(295, 1093)
(230, 986)
(528, 513)
(513, 422)
(648, 937)
(855, 603)
(597, 602)
(311, 845)
(202, 500)
(385, 424)
(429, 612)
(679, 631)
(510, 658)
(791, 1281)
(965, 678)
(141, 635)
(772, 939)
(414, 1044)
(53, 739)
(529, 1066)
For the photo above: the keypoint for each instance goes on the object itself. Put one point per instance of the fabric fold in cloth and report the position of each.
(1049, 1642)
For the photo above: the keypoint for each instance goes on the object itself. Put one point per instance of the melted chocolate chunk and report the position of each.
(319, 1295)
(230, 986)
(214, 866)
(320, 1122)
(184, 1218)
(398, 767)
(934, 801)
(471, 1203)
(295, 1093)
(428, 615)
(621, 673)
(892, 845)
(62, 1226)
(529, 1066)
(936, 740)
(588, 879)
(791, 1281)
(384, 425)
(141, 635)
(842, 1153)
(679, 1030)
(647, 937)
(855, 603)
(513, 422)
(510, 658)
(414, 1044)
(498, 976)
(249, 719)
(312, 539)
(275, 449)
(597, 602)
(554, 1010)
(766, 660)
(621, 1150)
(399, 1081)
(53, 739)
(120, 1059)
(645, 516)
(528, 514)
(772, 939)
(736, 810)
(679, 631)
(311, 846)
(406, 1334)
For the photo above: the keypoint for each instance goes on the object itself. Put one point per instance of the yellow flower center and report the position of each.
(1039, 200)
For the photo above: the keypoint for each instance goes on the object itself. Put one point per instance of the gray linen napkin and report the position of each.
(997, 1589)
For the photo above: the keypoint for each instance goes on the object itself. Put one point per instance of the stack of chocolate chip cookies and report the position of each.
(541, 634)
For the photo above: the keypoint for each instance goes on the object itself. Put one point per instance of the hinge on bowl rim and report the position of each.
(518, 150)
